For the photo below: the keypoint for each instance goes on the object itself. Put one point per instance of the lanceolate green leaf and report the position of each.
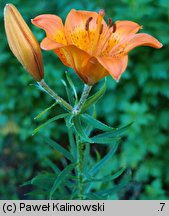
(72, 86)
(106, 178)
(35, 192)
(92, 196)
(49, 121)
(60, 178)
(59, 148)
(44, 180)
(95, 123)
(112, 134)
(44, 111)
(99, 165)
(105, 193)
(125, 179)
(103, 161)
(79, 129)
(94, 98)
(52, 165)
(69, 93)
(108, 141)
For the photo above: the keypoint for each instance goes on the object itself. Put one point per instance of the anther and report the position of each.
(87, 23)
(109, 22)
(114, 28)
(101, 29)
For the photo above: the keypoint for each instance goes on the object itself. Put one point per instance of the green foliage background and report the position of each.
(142, 95)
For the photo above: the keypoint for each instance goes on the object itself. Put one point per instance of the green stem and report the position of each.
(58, 99)
(80, 167)
(83, 98)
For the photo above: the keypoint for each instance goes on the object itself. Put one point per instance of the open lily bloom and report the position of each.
(93, 48)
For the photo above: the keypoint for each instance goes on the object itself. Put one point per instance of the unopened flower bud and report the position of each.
(22, 42)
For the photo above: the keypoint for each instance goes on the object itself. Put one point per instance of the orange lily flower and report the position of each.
(23, 43)
(91, 47)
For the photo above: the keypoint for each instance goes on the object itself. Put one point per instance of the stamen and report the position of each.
(87, 23)
(101, 29)
(98, 31)
(108, 34)
(114, 28)
(110, 22)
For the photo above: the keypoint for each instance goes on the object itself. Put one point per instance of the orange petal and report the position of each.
(64, 56)
(77, 19)
(48, 44)
(115, 66)
(94, 71)
(124, 28)
(53, 27)
(88, 68)
(75, 58)
(141, 39)
(75, 28)
(133, 41)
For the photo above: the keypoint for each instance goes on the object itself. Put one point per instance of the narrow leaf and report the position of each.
(44, 111)
(44, 180)
(108, 141)
(26, 183)
(106, 178)
(52, 165)
(103, 161)
(99, 165)
(105, 193)
(74, 195)
(95, 123)
(49, 121)
(59, 148)
(115, 189)
(94, 98)
(72, 86)
(114, 133)
(34, 193)
(69, 93)
(92, 196)
(79, 129)
(60, 178)
(36, 86)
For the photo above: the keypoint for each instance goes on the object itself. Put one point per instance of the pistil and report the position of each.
(98, 31)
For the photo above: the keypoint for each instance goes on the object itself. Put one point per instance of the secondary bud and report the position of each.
(22, 42)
